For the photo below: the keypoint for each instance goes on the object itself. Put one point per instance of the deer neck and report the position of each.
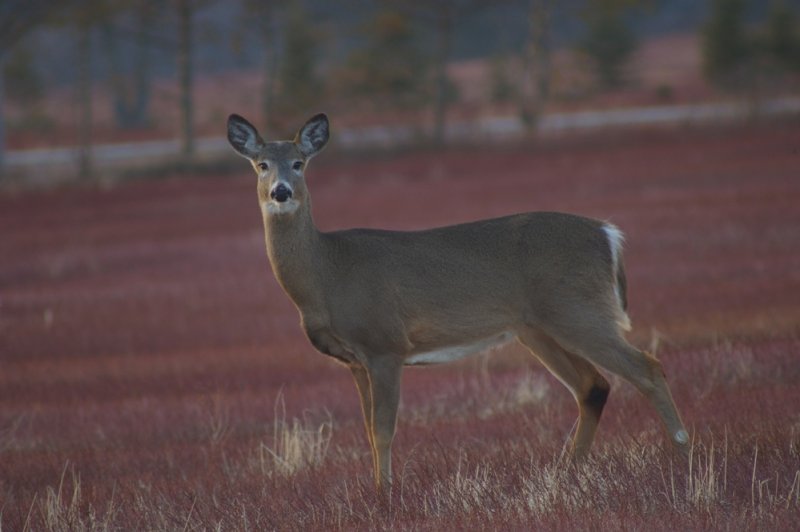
(293, 248)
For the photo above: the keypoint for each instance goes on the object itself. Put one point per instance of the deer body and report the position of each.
(379, 300)
(441, 287)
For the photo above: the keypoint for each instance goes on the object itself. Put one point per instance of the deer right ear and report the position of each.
(243, 137)
(313, 136)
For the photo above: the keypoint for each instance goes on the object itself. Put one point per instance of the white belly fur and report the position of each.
(457, 352)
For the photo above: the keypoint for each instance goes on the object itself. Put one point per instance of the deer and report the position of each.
(379, 300)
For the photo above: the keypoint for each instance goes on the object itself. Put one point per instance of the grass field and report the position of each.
(154, 377)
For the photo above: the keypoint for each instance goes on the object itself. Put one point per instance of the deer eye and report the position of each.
(298, 165)
(263, 166)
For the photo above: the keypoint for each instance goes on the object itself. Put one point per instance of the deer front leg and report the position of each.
(384, 380)
(361, 377)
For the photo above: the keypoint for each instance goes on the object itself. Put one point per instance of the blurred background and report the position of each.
(104, 89)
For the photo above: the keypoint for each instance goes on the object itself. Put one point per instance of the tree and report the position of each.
(84, 45)
(17, 19)
(608, 42)
(537, 62)
(501, 86)
(300, 86)
(130, 92)
(725, 45)
(185, 11)
(782, 36)
(444, 21)
(23, 83)
(442, 16)
(268, 16)
(85, 16)
(389, 66)
(751, 61)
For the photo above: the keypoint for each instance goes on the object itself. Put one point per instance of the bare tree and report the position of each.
(444, 22)
(130, 91)
(387, 67)
(2, 115)
(185, 11)
(17, 19)
(84, 97)
(301, 86)
(269, 16)
(84, 16)
(537, 62)
(443, 16)
(609, 41)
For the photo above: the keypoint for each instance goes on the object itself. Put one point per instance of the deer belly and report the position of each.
(457, 352)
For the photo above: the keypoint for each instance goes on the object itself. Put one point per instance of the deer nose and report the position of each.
(281, 193)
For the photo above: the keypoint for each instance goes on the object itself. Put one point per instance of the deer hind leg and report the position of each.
(361, 377)
(586, 384)
(612, 352)
(384, 381)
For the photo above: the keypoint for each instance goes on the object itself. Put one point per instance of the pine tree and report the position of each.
(609, 41)
(782, 38)
(389, 66)
(725, 45)
(300, 86)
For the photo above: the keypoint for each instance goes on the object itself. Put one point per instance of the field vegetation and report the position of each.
(154, 377)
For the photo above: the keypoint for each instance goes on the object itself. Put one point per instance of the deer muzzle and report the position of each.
(280, 193)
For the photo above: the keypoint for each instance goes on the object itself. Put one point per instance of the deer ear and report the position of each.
(243, 137)
(313, 136)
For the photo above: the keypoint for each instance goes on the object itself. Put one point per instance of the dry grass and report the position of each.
(502, 467)
(297, 445)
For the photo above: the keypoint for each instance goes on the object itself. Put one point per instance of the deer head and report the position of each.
(280, 165)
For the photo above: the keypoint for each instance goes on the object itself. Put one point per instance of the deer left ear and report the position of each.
(313, 136)
(243, 137)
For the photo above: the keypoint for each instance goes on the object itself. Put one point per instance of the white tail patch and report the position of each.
(615, 240)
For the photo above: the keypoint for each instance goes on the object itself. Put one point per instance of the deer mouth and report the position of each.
(275, 207)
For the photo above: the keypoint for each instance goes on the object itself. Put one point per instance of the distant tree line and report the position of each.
(397, 58)
(739, 57)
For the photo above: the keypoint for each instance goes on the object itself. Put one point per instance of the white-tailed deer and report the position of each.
(380, 300)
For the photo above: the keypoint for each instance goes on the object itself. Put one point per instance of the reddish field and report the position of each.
(153, 376)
